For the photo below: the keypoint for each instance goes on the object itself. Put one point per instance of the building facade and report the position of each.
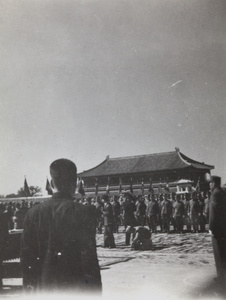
(158, 173)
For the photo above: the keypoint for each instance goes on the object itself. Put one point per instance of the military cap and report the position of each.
(215, 179)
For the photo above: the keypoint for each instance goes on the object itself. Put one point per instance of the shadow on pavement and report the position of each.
(120, 245)
(114, 260)
(104, 268)
(155, 248)
(210, 290)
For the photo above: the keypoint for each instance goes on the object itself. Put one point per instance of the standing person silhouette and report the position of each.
(58, 247)
(109, 240)
(129, 209)
(217, 227)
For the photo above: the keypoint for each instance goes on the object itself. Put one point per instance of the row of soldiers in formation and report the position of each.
(186, 211)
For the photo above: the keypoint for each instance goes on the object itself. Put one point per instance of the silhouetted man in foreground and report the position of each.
(58, 250)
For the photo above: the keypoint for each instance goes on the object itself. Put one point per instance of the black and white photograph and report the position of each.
(113, 149)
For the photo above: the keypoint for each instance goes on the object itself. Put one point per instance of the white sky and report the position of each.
(86, 79)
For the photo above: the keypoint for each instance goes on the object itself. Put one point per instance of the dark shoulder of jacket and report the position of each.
(33, 212)
(86, 212)
(217, 193)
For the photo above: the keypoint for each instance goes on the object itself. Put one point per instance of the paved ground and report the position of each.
(162, 280)
(178, 267)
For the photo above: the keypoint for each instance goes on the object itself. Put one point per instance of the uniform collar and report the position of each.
(62, 195)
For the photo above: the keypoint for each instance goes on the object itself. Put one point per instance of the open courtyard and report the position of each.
(180, 266)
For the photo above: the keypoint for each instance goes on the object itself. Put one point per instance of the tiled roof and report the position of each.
(194, 163)
(143, 163)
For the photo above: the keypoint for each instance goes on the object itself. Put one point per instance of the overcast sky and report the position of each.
(87, 79)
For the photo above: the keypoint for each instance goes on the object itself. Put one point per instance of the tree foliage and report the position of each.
(11, 196)
(33, 190)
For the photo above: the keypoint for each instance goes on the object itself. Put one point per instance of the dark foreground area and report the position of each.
(180, 266)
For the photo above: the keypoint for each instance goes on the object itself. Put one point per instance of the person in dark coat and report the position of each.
(217, 227)
(9, 216)
(141, 211)
(129, 209)
(187, 220)
(152, 214)
(194, 212)
(99, 214)
(116, 213)
(166, 210)
(178, 213)
(201, 217)
(109, 240)
(172, 219)
(142, 239)
(58, 247)
(206, 207)
(160, 218)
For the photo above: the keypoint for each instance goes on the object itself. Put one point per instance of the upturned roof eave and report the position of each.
(191, 161)
(82, 173)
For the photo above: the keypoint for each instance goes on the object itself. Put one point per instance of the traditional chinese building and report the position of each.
(159, 172)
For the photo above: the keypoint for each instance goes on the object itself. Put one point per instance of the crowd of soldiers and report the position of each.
(168, 212)
(165, 212)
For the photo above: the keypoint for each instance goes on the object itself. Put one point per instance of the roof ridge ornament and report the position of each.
(177, 149)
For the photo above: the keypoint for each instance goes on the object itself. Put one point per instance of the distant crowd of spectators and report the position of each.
(14, 212)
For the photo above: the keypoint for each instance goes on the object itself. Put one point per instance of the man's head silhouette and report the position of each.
(64, 176)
